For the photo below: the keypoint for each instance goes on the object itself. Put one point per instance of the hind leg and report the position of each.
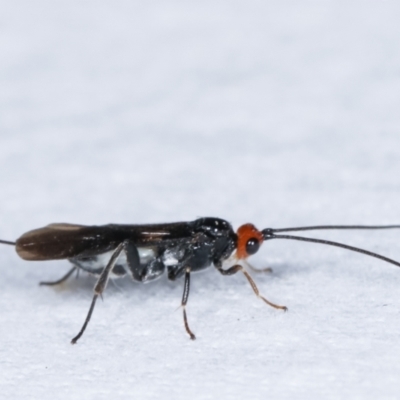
(61, 280)
(100, 286)
(142, 272)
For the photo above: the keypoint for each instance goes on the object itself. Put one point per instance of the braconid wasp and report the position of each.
(145, 252)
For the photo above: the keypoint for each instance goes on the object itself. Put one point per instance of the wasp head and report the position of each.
(249, 240)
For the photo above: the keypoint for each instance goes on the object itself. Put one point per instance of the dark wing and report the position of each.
(60, 241)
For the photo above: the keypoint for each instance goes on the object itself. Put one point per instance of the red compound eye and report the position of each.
(249, 241)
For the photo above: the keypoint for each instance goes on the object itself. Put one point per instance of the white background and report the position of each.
(276, 113)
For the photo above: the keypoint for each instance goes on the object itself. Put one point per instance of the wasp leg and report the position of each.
(100, 286)
(262, 270)
(175, 272)
(185, 296)
(61, 280)
(152, 270)
(133, 259)
(237, 268)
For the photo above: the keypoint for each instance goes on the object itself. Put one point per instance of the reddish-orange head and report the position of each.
(249, 240)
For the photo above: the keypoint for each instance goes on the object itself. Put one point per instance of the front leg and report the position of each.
(237, 268)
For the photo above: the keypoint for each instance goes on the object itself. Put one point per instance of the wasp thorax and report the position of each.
(249, 239)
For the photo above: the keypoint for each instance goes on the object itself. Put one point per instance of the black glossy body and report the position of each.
(148, 249)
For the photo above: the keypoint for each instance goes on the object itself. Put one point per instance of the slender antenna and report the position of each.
(270, 235)
(310, 228)
(7, 242)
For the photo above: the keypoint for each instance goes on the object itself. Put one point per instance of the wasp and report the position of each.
(145, 252)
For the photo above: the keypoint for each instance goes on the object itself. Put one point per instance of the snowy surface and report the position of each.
(276, 113)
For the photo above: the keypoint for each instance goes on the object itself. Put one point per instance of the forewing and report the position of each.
(60, 241)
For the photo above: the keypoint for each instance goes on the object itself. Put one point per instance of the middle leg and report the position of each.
(185, 296)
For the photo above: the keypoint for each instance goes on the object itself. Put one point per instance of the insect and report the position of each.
(145, 252)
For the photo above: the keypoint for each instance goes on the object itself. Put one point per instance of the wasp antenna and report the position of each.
(7, 242)
(268, 234)
(322, 227)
